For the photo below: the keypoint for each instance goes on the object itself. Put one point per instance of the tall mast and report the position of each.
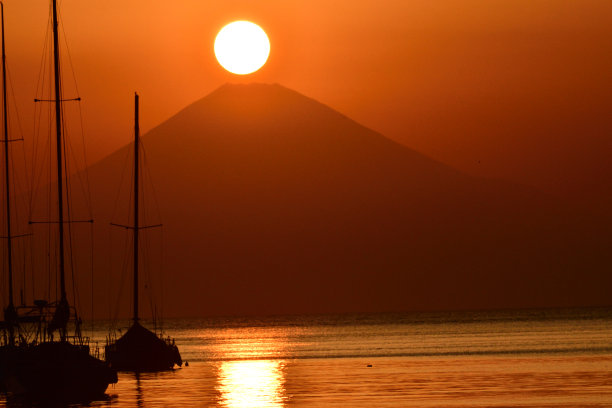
(136, 226)
(6, 166)
(10, 310)
(58, 133)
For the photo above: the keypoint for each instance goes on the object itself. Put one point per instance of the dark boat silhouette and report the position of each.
(33, 362)
(140, 349)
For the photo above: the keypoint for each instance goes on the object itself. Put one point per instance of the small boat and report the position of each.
(140, 349)
(39, 359)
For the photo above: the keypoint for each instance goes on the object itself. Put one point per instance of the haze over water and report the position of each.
(535, 358)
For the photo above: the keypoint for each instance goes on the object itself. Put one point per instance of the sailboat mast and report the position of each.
(9, 312)
(58, 133)
(136, 226)
(6, 172)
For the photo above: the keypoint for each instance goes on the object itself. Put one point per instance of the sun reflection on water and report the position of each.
(250, 369)
(251, 383)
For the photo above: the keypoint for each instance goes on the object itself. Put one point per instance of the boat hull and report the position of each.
(58, 371)
(142, 350)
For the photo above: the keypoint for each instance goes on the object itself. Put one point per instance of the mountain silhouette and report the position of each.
(273, 203)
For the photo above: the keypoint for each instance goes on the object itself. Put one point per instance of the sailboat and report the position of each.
(140, 349)
(33, 361)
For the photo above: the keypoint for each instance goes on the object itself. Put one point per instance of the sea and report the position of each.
(526, 358)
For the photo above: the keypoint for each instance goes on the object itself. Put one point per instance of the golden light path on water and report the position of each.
(246, 376)
(251, 383)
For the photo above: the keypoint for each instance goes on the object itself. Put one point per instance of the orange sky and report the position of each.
(518, 89)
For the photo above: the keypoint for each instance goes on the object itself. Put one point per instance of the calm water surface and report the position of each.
(546, 358)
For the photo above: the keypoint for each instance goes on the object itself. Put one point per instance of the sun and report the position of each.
(242, 47)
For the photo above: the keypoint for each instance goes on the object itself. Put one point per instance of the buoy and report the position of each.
(186, 363)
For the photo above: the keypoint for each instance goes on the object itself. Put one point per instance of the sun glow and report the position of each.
(242, 47)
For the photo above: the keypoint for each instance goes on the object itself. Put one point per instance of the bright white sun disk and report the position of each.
(242, 47)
